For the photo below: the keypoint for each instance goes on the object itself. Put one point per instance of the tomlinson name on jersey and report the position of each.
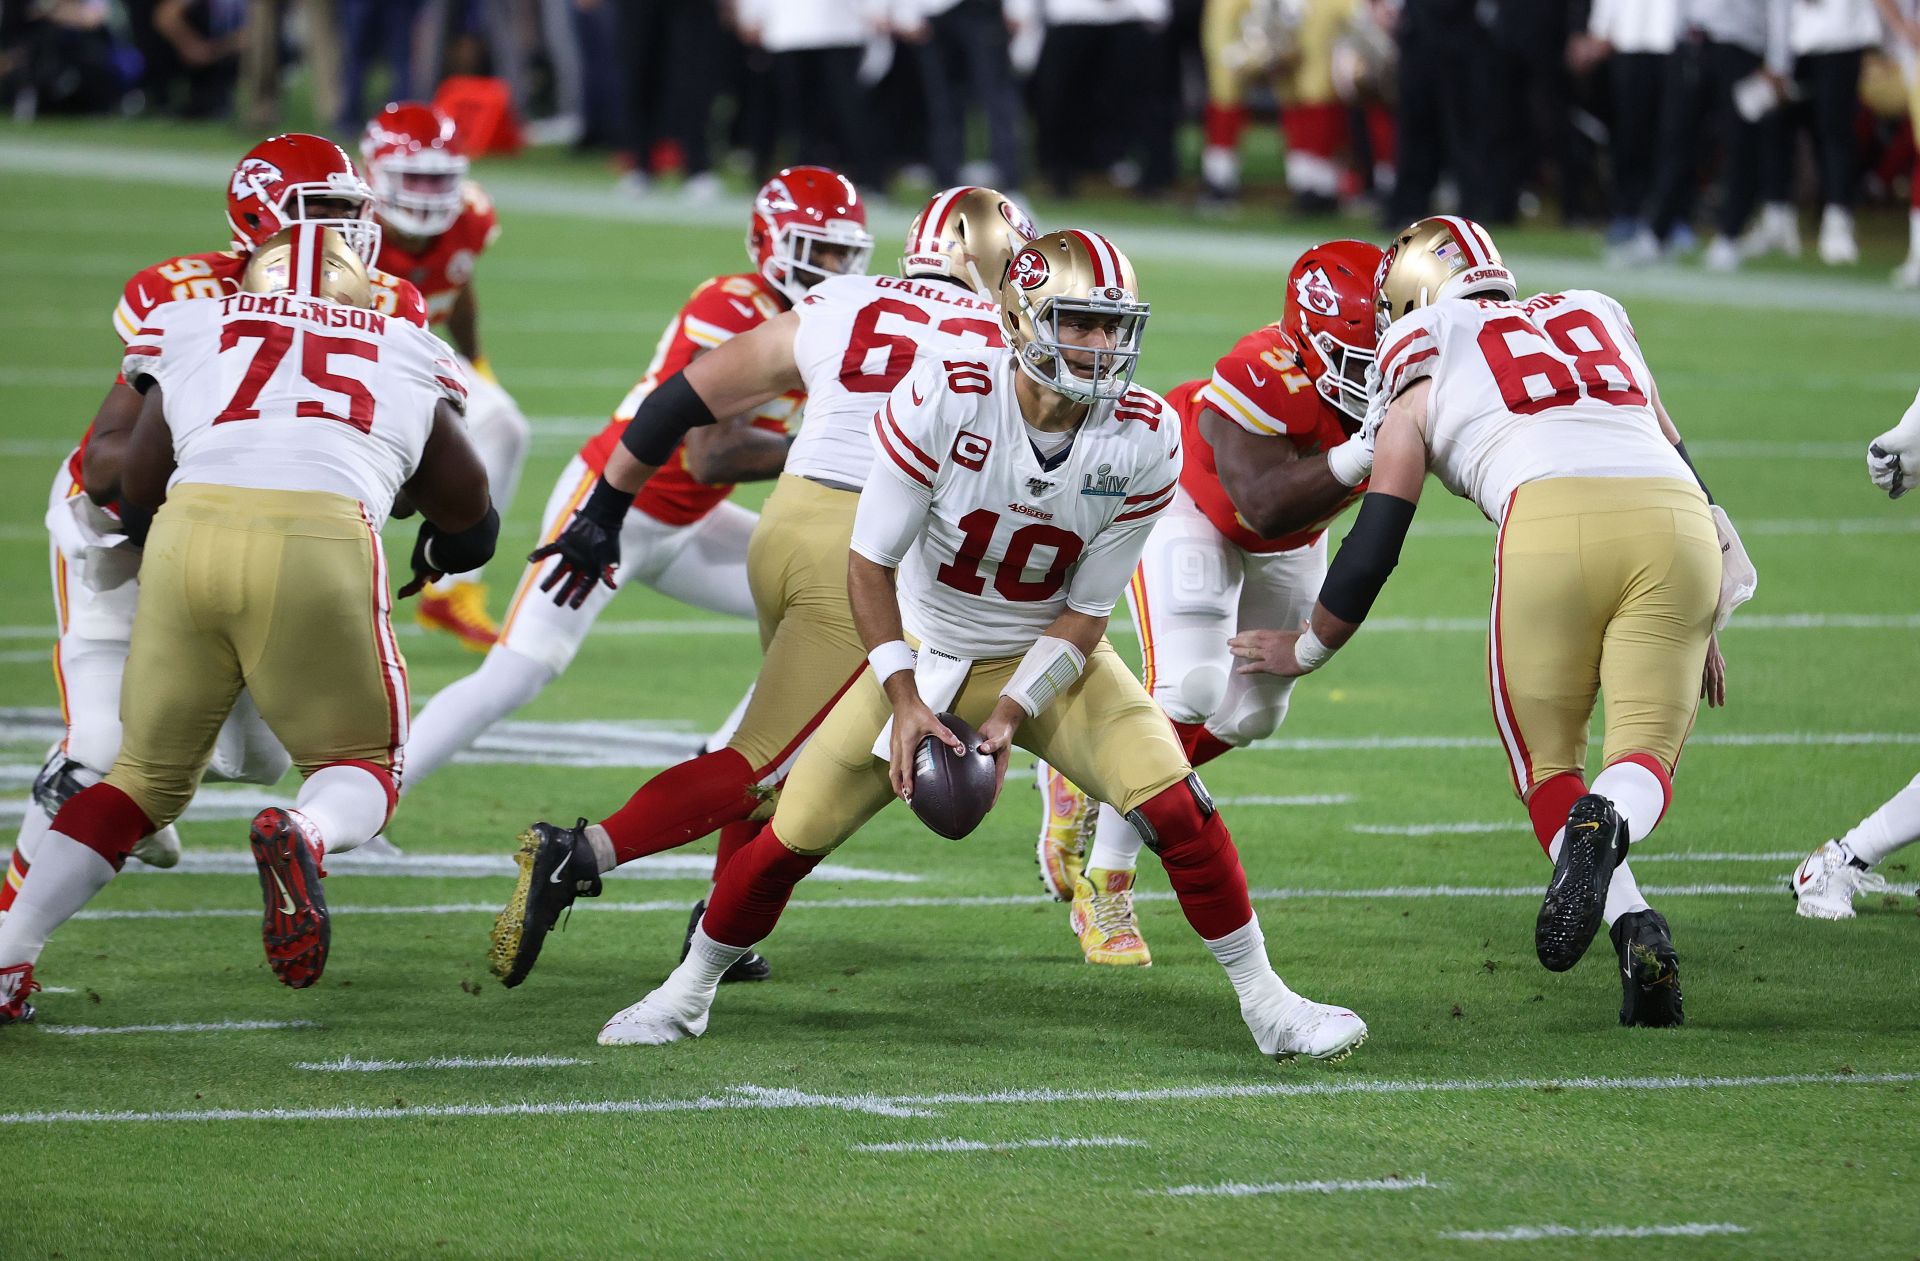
(325, 314)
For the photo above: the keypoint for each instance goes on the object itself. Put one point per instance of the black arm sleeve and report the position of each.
(455, 553)
(1681, 447)
(1367, 556)
(663, 419)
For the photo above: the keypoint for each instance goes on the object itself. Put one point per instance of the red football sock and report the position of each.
(733, 838)
(683, 803)
(1548, 803)
(105, 820)
(1202, 746)
(1314, 129)
(10, 887)
(1202, 865)
(753, 889)
(1223, 125)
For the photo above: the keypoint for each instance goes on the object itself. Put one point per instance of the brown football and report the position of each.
(952, 791)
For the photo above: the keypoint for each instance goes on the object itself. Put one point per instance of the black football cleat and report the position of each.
(751, 966)
(1595, 842)
(556, 866)
(1649, 971)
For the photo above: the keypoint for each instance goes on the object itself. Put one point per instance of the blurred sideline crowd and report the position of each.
(1679, 128)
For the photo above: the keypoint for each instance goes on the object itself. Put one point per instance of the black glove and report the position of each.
(135, 521)
(588, 549)
(423, 570)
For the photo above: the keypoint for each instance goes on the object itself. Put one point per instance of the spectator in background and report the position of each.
(206, 37)
(1443, 115)
(1528, 113)
(373, 31)
(1111, 45)
(263, 57)
(1634, 40)
(1902, 19)
(960, 50)
(1731, 56)
(58, 56)
(670, 53)
(819, 95)
(1827, 39)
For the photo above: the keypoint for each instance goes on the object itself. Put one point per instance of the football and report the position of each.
(952, 791)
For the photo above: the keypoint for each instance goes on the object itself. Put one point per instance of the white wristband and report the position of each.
(1309, 653)
(1050, 667)
(1350, 462)
(890, 659)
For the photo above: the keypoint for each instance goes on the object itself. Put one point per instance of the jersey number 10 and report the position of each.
(962, 573)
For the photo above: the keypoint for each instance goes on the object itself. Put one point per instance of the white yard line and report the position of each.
(347, 1064)
(1310, 799)
(1529, 1234)
(219, 1026)
(757, 1098)
(443, 866)
(1733, 739)
(971, 1145)
(1382, 893)
(1316, 1186)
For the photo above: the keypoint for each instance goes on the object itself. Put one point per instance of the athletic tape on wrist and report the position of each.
(1310, 652)
(1350, 462)
(1050, 667)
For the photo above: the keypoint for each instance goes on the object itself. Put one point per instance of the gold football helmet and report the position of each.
(1440, 257)
(1057, 277)
(309, 261)
(968, 234)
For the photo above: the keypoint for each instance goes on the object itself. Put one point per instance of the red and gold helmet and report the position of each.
(1329, 311)
(297, 178)
(798, 211)
(416, 167)
(967, 234)
(1440, 257)
(309, 260)
(1055, 278)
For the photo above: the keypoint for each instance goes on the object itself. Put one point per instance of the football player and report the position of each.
(1013, 490)
(436, 223)
(682, 537)
(287, 179)
(849, 342)
(1270, 460)
(1824, 884)
(1607, 574)
(280, 425)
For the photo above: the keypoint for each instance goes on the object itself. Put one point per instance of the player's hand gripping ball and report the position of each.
(952, 791)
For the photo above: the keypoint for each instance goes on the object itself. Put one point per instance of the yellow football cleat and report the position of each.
(1065, 831)
(1103, 918)
(461, 611)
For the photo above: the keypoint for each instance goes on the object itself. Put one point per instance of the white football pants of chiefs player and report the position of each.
(703, 564)
(501, 436)
(90, 658)
(1194, 590)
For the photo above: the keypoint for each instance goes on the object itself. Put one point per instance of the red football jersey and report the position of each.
(444, 264)
(216, 275)
(1260, 386)
(719, 309)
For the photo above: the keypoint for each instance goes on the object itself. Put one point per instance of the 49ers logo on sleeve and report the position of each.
(1030, 269)
(253, 175)
(1315, 292)
(970, 450)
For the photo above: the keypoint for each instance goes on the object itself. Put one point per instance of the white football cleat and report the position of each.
(1287, 1026)
(1824, 883)
(1837, 246)
(160, 849)
(657, 1019)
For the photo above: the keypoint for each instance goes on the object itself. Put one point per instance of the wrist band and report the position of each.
(1350, 462)
(1309, 652)
(890, 659)
(1049, 668)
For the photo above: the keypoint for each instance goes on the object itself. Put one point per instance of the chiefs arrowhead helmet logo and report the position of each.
(253, 175)
(775, 199)
(1315, 293)
(1030, 269)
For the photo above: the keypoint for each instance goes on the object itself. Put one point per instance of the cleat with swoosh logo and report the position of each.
(557, 865)
(1594, 844)
(1649, 971)
(296, 929)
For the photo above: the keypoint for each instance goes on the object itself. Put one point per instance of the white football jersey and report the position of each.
(858, 336)
(282, 393)
(1008, 542)
(1554, 386)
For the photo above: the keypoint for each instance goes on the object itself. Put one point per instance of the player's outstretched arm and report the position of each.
(1275, 491)
(450, 490)
(735, 450)
(107, 442)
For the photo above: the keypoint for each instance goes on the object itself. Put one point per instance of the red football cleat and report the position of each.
(16, 983)
(461, 612)
(296, 929)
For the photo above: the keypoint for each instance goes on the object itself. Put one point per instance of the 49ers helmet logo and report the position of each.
(253, 174)
(1018, 221)
(1315, 293)
(1030, 269)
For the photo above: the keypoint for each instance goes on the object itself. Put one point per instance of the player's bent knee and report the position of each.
(60, 778)
(1197, 694)
(108, 820)
(385, 776)
(1174, 814)
(1248, 723)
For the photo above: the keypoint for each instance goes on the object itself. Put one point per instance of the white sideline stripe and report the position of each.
(1327, 744)
(347, 1064)
(1310, 799)
(973, 1145)
(441, 866)
(1433, 829)
(1321, 1186)
(221, 1026)
(1495, 829)
(754, 1098)
(1416, 892)
(58, 989)
(1527, 1234)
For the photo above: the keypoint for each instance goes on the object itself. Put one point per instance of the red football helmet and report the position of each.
(797, 211)
(417, 169)
(1329, 311)
(297, 178)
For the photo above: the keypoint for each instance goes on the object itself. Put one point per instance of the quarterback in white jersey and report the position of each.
(1608, 573)
(847, 343)
(1012, 491)
(280, 426)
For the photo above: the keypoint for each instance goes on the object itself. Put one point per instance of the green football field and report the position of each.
(932, 1070)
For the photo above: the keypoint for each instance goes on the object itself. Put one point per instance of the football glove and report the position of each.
(588, 550)
(1889, 471)
(1738, 578)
